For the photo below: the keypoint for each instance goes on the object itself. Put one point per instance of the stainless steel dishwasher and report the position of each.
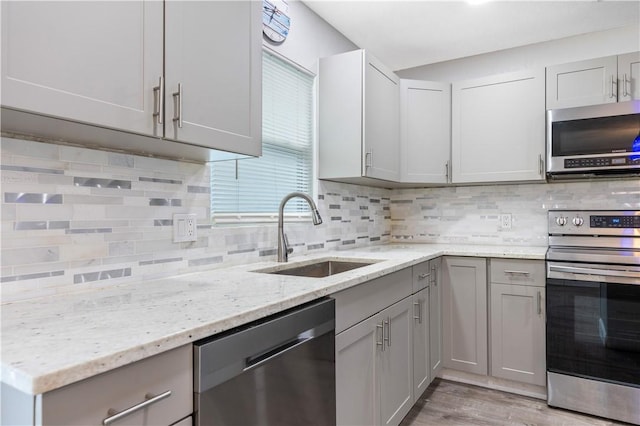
(275, 371)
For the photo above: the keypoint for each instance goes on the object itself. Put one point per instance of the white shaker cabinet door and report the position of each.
(95, 62)
(213, 69)
(498, 128)
(629, 77)
(381, 121)
(425, 131)
(582, 83)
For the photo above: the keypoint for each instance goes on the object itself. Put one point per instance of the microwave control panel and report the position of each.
(574, 163)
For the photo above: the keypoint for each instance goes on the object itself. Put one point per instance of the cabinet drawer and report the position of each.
(357, 303)
(88, 402)
(518, 271)
(421, 276)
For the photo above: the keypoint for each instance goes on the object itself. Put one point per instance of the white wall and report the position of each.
(310, 38)
(587, 46)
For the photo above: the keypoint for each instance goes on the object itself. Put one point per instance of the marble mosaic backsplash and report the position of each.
(75, 218)
(470, 214)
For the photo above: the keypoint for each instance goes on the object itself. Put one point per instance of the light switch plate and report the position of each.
(184, 228)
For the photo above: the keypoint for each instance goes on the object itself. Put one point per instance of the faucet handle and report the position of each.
(287, 249)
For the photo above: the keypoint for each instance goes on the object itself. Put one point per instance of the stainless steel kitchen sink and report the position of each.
(320, 269)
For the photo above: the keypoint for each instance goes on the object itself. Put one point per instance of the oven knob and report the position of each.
(561, 221)
(577, 221)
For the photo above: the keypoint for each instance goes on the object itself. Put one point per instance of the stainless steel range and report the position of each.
(593, 312)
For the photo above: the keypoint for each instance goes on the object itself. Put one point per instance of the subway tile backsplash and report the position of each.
(469, 215)
(75, 218)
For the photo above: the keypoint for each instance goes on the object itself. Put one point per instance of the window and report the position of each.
(250, 190)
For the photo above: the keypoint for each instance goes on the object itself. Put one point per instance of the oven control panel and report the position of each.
(606, 221)
(594, 222)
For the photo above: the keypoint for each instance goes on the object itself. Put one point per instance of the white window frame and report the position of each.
(252, 219)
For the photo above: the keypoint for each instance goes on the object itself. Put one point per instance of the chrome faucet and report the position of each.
(283, 242)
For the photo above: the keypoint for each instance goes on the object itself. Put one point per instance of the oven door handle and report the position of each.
(593, 271)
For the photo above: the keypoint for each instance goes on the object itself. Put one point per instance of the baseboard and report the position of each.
(533, 391)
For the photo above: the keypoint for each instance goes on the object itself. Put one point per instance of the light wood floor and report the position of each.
(451, 403)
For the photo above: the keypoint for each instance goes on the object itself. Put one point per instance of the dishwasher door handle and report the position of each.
(256, 361)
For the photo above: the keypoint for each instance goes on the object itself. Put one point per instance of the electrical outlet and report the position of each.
(184, 228)
(505, 221)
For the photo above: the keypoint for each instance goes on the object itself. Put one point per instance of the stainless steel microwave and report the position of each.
(597, 140)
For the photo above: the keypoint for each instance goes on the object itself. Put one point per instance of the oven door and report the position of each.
(593, 321)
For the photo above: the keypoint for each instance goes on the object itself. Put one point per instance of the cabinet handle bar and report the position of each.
(418, 304)
(158, 92)
(114, 416)
(540, 164)
(517, 272)
(381, 342)
(434, 271)
(624, 85)
(178, 96)
(539, 303)
(614, 83)
(387, 322)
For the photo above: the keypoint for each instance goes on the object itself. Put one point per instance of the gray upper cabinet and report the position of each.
(629, 77)
(498, 128)
(213, 63)
(594, 81)
(425, 131)
(184, 71)
(359, 101)
(464, 314)
(93, 62)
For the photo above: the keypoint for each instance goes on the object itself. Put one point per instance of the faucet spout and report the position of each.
(283, 243)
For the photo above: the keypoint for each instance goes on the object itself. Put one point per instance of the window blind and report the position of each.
(251, 189)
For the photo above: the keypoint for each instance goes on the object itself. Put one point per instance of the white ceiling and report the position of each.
(405, 34)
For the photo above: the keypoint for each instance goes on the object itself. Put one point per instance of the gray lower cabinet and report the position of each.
(167, 378)
(396, 368)
(427, 325)
(496, 329)
(375, 350)
(464, 314)
(374, 370)
(435, 317)
(421, 347)
(357, 375)
(517, 318)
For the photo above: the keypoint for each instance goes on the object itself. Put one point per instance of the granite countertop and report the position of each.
(50, 342)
